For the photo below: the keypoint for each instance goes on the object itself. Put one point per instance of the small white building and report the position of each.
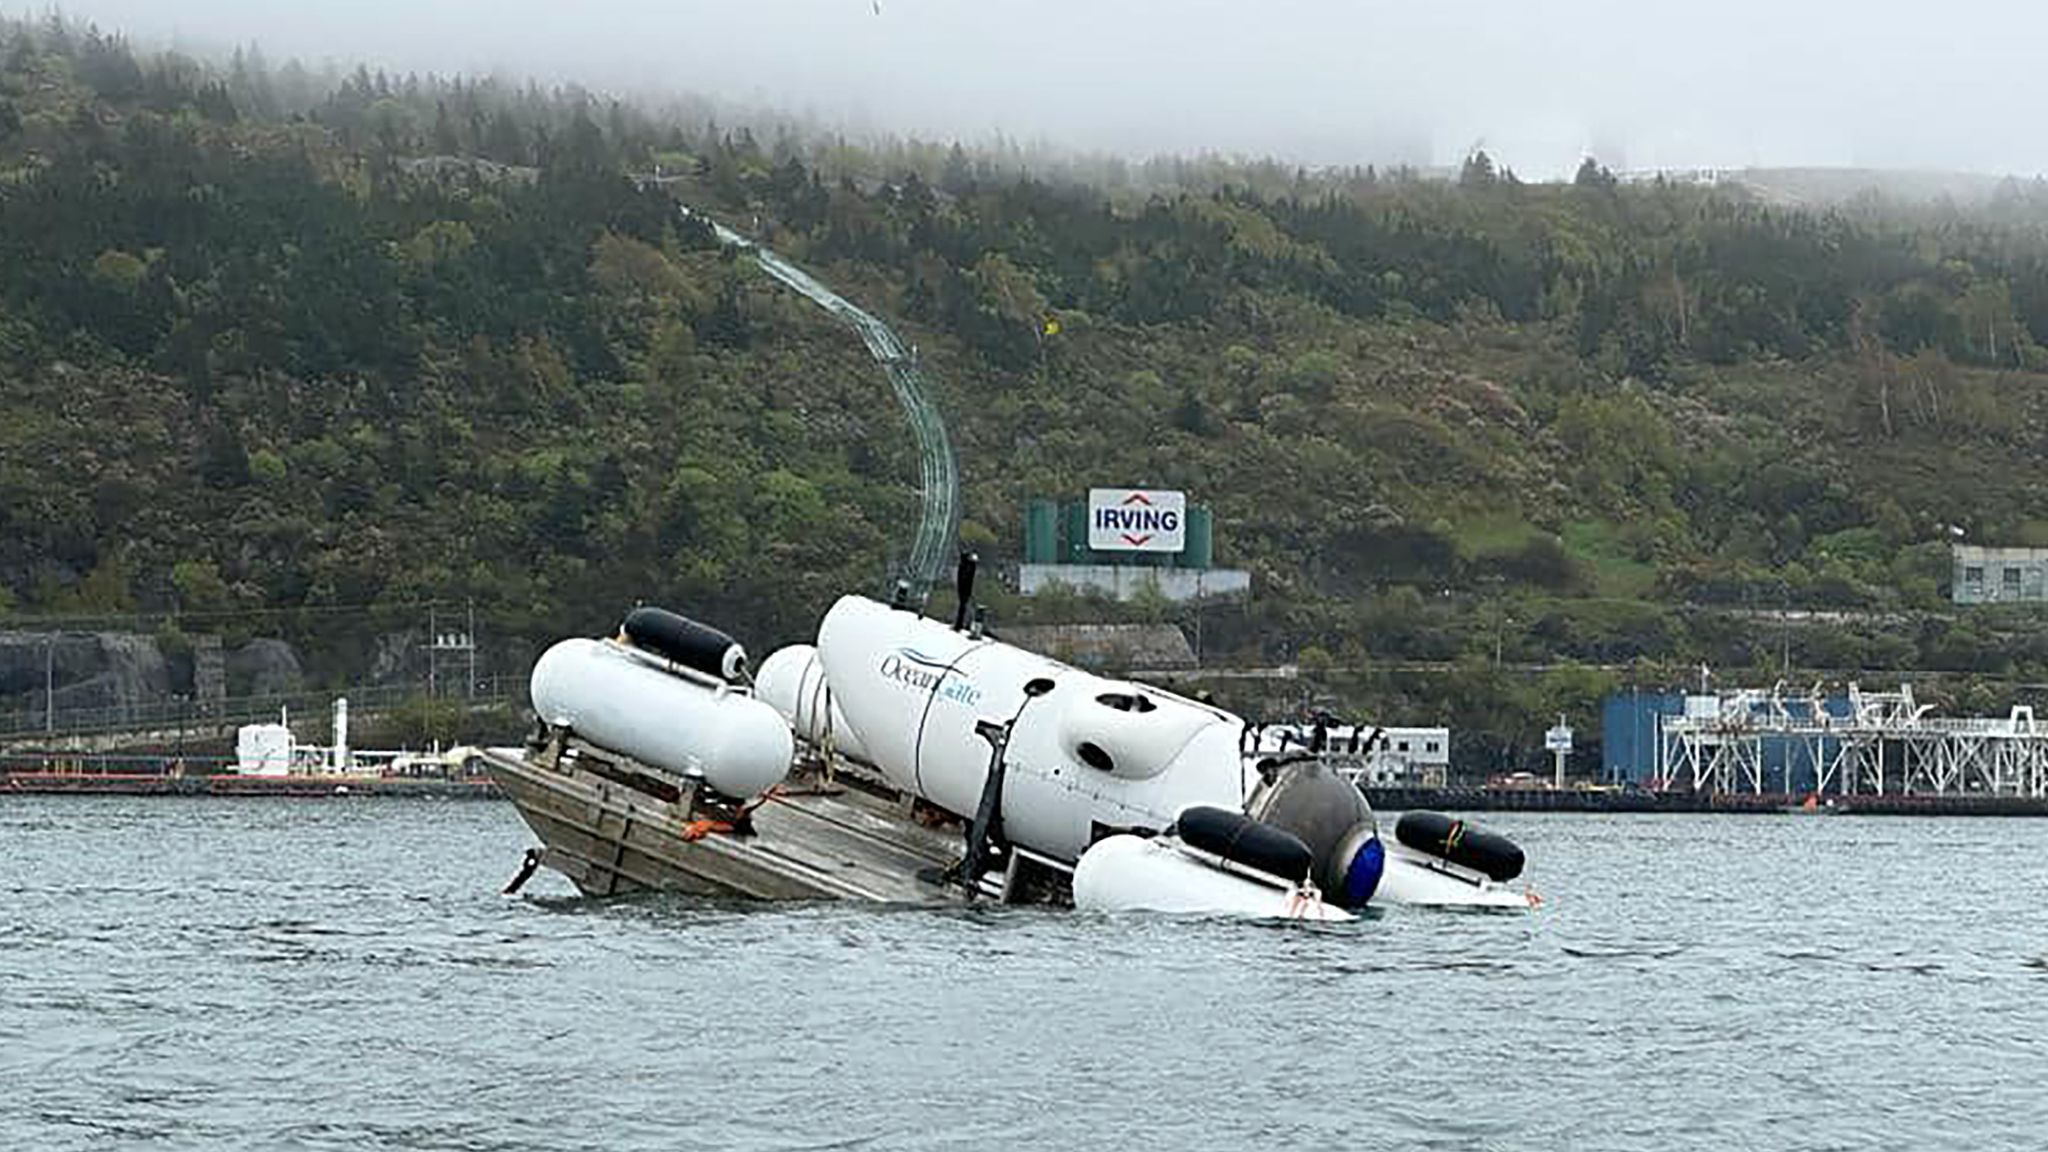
(263, 750)
(1410, 757)
(1374, 757)
(1999, 575)
(269, 750)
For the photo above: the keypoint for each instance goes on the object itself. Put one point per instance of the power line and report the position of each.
(180, 615)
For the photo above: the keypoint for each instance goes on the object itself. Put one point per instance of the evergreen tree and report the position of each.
(1477, 171)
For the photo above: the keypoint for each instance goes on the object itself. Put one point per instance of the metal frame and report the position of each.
(1887, 745)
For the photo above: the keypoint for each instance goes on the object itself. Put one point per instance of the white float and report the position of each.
(1159, 874)
(1415, 878)
(792, 681)
(667, 718)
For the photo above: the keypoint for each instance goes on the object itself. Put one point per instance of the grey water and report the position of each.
(199, 974)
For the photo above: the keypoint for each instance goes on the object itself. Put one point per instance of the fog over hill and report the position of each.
(1744, 83)
(307, 354)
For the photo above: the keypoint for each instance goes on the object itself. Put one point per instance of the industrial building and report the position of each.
(1999, 575)
(1410, 757)
(1396, 758)
(1847, 743)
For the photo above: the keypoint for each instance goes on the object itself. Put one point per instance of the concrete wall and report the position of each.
(1106, 646)
(1121, 583)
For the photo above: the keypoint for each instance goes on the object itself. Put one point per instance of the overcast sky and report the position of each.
(1538, 83)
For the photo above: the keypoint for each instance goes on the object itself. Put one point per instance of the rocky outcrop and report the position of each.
(102, 676)
(117, 672)
(393, 657)
(264, 668)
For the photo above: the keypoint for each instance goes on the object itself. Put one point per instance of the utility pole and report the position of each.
(469, 637)
(438, 643)
(1499, 611)
(49, 683)
(1785, 635)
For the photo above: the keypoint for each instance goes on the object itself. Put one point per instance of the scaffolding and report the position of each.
(1871, 743)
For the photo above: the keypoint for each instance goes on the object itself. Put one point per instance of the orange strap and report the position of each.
(1303, 904)
(698, 829)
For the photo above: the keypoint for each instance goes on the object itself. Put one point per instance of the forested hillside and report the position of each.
(348, 345)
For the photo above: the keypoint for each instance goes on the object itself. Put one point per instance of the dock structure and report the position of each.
(1867, 743)
(614, 826)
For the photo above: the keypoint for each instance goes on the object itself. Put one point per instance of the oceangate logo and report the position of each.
(914, 669)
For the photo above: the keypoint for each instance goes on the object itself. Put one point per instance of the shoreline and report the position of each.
(1382, 799)
(1698, 803)
(306, 787)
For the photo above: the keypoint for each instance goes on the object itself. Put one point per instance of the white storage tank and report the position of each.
(263, 750)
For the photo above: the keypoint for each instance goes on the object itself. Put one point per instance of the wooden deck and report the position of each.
(608, 827)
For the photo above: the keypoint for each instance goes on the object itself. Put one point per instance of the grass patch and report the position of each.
(1493, 535)
(1603, 552)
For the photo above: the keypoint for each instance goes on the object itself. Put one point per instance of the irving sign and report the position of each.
(1125, 520)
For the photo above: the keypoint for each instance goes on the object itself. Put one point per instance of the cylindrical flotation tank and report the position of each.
(792, 681)
(1242, 840)
(741, 746)
(685, 641)
(1457, 842)
(1418, 879)
(1137, 874)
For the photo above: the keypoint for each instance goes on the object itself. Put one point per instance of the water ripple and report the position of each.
(330, 976)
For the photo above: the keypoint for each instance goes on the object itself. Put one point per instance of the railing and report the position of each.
(938, 469)
(314, 706)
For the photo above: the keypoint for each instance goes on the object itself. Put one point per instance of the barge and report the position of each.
(614, 826)
(905, 761)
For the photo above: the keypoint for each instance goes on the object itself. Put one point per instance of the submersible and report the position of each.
(1118, 794)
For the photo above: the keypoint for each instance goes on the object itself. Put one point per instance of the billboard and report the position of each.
(1137, 520)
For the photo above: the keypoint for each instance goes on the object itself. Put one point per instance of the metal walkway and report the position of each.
(938, 470)
(44, 727)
